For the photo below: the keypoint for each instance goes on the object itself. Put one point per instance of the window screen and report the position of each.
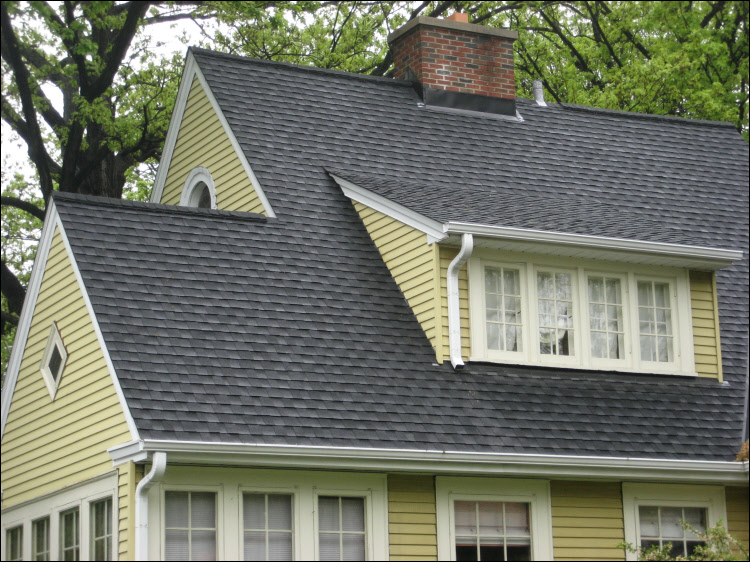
(267, 526)
(341, 524)
(492, 530)
(190, 525)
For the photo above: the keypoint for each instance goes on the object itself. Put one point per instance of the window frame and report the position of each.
(582, 269)
(635, 495)
(53, 504)
(218, 509)
(198, 175)
(346, 493)
(536, 493)
(280, 490)
(54, 341)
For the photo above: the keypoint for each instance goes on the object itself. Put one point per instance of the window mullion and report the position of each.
(530, 308)
(581, 321)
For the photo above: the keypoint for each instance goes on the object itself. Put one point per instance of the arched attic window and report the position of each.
(199, 190)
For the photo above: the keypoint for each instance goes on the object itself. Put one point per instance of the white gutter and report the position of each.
(438, 462)
(159, 465)
(603, 242)
(454, 308)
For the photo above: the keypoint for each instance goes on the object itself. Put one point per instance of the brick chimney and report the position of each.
(457, 64)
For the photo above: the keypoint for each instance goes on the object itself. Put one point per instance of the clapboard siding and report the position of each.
(738, 514)
(706, 338)
(47, 444)
(202, 141)
(446, 256)
(412, 528)
(129, 474)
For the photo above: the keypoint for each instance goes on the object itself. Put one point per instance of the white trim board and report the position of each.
(439, 462)
(189, 73)
(52, 221)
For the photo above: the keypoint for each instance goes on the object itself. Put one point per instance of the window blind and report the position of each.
(341, 524)
(190, 526)
(267, 526)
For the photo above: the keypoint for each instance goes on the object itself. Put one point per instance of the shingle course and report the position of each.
(292, 331)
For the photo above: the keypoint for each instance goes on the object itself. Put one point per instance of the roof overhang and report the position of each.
(542, 241)
(433, 461)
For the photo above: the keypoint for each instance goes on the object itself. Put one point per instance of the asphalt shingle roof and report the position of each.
(228, 327)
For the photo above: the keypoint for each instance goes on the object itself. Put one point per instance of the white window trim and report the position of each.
(53, 341)
(231, 483)
(634, 495)
(51, 505)
(534, 492)
(198, 175)
(529, 265)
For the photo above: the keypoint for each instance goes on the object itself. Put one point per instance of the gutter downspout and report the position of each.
(454, 309)
(158, 466)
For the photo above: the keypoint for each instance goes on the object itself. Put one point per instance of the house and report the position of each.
(371, 318)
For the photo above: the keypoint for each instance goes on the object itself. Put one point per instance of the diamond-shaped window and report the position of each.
(53, 361)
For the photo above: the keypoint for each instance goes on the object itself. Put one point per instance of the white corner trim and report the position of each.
(432, 228)
(454, 306)
(27, 312)
(95, 323)
(438, 462)
(192, 71)
(198, 175)
(718, 255)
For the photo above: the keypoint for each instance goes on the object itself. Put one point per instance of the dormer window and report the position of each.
(199, 190)
(53, 361)
(580, 314)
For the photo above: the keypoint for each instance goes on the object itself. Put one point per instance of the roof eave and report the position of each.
(434, 461)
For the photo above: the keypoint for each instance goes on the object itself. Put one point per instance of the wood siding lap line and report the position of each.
(411, 261)
(412, 527)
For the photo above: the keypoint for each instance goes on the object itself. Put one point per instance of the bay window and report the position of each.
(580, 314)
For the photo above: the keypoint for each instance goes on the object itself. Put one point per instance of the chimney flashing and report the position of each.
(455, 26)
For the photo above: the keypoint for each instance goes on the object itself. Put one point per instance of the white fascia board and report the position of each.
(432, 228)
(191, 71)
(27, 312)
(716, 256)
(100, 338)
(438, 462)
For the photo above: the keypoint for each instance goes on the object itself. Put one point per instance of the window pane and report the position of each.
(353, 514)
(596, 289)
(649, 521)
(254, 511)
(564, 314)
(329, 546)
(614, 318)
(466, 549)
(101, 529)
(490, 518)
(613, 291)
(691, 546)
(563, 286)
(55, 361)
(696, 518)
(280, 512)
(598, 344)
(328, 514)
(203, 545)
(494, 336)
(491, 280)
(517, 519)
(255, 545)
(176, 509)
(661, 295)
(14, 543)
(670, 522)
(616, 345)
(546, 337)
(491, 551)
(645, 294)
(353, 546)
(647, 348)
(598, 317)
(69, 534)
(511, 282)
(203, 510)
(176, 545)
(545, 285)
(40, 539)
(513, 338)
(466, 517)
(279, 546)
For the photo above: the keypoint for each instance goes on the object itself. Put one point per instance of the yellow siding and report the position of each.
(129, 476)
(412, 528)
(49, 445)
(202, 141)
(587, 520)
(738, 517)
(705, 324)
(446, 256)
(410, 260)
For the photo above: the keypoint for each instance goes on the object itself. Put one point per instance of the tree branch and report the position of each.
(23, 205)
(12, 289)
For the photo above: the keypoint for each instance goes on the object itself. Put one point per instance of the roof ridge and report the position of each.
(633, 114)
(127, 204)
(301, 67)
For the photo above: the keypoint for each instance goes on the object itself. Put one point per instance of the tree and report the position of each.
(92, 103)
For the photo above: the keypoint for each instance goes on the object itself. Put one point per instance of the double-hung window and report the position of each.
(190, 525)
(341, 528)
(576, 313)
(267, 526)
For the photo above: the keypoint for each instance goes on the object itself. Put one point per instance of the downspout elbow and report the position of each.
(158, 467)
(454, 308)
